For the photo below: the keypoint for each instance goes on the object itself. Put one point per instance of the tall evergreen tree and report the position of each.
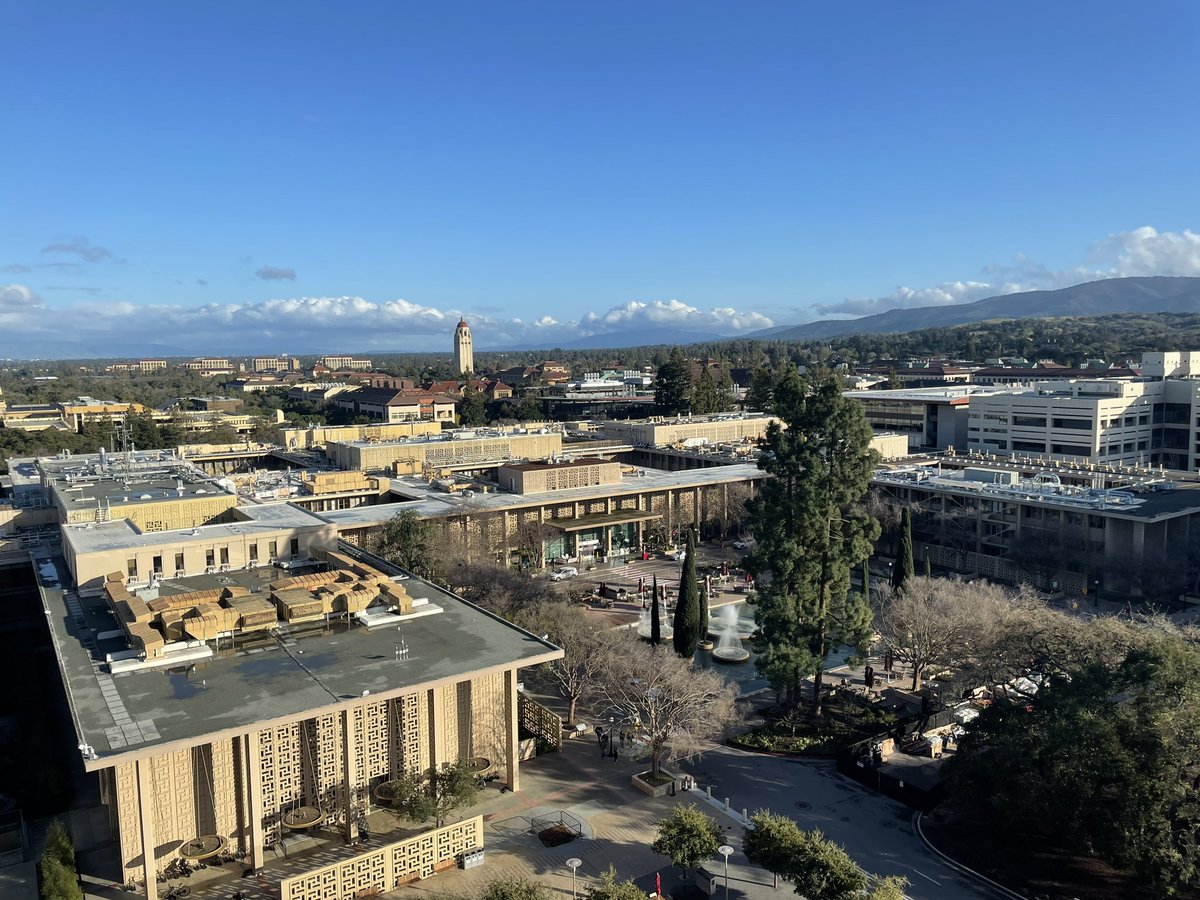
(811, 528)
(687, 607)
(760, 394)
(673, 386)
(472, 409)
(904, 569)
(706, 398)
(655, 615)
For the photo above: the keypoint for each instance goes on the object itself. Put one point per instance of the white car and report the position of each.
(747, 543)
(564, 573)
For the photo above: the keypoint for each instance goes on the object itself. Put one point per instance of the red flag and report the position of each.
(658, 884)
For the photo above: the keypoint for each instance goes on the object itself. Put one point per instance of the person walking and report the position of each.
(614, 753)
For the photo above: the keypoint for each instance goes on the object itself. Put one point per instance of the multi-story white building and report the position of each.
(1106, 422)
(274, 364)
(338, 363)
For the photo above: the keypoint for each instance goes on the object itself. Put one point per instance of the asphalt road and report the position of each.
(876, 831)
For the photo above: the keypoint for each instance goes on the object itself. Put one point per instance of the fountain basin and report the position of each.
(665, 632)
(730, 655)
(743, 628)
(705, 645)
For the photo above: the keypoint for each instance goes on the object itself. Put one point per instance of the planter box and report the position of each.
(642, 782)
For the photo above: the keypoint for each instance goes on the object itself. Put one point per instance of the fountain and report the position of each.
(730, 636)
(666, 630)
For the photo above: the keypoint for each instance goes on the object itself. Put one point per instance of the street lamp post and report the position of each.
(725, 850)
(574, 862)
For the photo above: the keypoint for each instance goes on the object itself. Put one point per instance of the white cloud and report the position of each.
(1145, 251)
(722, 320)
(312, 324)
(17, 297)
(1142, 251)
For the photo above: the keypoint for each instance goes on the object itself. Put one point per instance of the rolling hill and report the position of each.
(1094, 298)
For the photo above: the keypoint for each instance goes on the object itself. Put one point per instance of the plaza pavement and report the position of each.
(620, 824)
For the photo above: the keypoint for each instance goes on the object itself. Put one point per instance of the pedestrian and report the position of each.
(887, 660)
(614, 752)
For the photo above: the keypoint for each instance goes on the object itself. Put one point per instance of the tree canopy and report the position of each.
(436, 793)
(687, 836)
(673, 385)
(1099, 755)
(676, 709)
(811, 528)
(407, 540)
(687, 608)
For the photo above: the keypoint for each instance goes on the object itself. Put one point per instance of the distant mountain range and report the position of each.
(1095, 298)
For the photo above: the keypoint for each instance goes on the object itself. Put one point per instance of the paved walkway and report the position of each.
(619, 825)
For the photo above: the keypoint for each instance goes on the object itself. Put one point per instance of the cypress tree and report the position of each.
(687, 608)
(904, 569)
(812, 528)
(655, 624)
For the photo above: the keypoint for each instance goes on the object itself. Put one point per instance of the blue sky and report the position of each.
(305, 176)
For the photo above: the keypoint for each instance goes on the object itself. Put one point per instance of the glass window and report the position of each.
(178, 562)
(131, 566)
(224, 556)
(210, 557)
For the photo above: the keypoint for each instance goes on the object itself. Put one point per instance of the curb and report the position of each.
(954, 864)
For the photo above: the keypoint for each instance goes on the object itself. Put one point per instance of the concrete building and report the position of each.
(345, 362)
(210, 733)
(317, 436)
(208, 366)
(539, 478)
(76, 413)
(464, 353)
(389, 406)
(141, 366)
(646, 508)
(462, 449)
(274, 364)
(934, 418)
(1019, 376)
(661, 431)
(1108, 421)
(1122, 530)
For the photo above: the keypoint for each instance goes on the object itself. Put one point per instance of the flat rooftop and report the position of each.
(947, 394)
(91, 537)
(1142, 498)
(260, 677)
(431, 503)
(445, 437)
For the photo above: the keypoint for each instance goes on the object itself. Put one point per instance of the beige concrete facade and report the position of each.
(94, 551)
(415, 455)
(540, 478)
(240, 786)
(660, 431)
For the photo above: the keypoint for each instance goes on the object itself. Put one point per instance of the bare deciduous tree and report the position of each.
(933, 622)
(585, 650)
(677, 709)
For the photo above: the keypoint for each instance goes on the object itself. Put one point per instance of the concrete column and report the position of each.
(512, 743)
(254, 805)
(438, 751)
(145, 784)
(1139, 543)
(349, 774)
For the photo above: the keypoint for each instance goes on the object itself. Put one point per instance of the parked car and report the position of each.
(746, 543)
(564, 573)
